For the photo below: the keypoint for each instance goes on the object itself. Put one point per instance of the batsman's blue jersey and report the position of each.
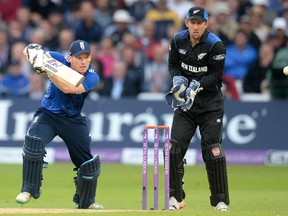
(68, 104)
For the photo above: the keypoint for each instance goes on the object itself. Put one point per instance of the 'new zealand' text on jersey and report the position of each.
(204, 62)
(68, 104)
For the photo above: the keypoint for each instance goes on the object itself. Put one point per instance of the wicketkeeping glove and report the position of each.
(191, 92)
(176, 96)
(35, 55)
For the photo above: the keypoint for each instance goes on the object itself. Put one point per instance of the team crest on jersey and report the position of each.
(201, 55)
(219, 57)
(182, 51)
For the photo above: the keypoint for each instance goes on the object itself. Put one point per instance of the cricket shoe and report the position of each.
(221, 206)
(175, 205)
(95, 206)
(23, 198)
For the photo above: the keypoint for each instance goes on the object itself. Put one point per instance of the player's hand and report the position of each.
(176, 96)
(191, 92)
(35, 55)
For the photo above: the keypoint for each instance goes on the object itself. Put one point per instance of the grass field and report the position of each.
(254, 190)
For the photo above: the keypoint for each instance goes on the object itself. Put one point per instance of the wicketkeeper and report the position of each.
(196, 63)
(60, 115)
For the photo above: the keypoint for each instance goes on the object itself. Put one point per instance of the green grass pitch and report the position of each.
(254, 190)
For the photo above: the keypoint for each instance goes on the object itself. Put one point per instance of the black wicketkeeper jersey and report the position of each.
(204, 62)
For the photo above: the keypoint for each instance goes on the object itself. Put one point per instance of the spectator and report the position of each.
(103, 13)
(46, 22)
(3, 25)
(15, 83)
(41, 8)
(50, 34)
(16, 53)
(277, 81)
(245, 25)
(23, 18)
(138, 9)
(65, 38)
(68, 7)
(205, 3)
(252, 82)
(118, 4)
(107, 55)
(243, 8)
(260, 28)
(123, 23)
(277, 6)
(130, 41)
(239, 56)
(87, 28)
(8, 10)
(171, 31)
(57, 21)
(146, 42)
(285, 11)
(279, 29)
(179, 6)
(214, 27)
(37, 86)
(270, 15)
(71, 11)
(119, 85)
(134, 71)
(229, 88)
(227, 26)
(157, 78)
(162, 16)
(97, 65)
(233, 8)
(38, 36)
(4, 51)
(15, 32)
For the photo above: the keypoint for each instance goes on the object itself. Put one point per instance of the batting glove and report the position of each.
(176, 96)
(191, 92)
(35, 55)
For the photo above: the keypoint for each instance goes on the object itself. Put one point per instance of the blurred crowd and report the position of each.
(130, 41)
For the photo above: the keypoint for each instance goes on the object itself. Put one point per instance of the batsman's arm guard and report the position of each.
(215, 162)
(86, 183)
(33, 154)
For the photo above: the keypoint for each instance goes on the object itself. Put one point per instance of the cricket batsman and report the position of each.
(60, 115)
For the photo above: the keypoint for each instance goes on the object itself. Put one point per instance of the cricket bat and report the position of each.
(35, 55)
(62, 71)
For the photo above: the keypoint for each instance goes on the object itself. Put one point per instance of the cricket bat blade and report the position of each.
(62, 71)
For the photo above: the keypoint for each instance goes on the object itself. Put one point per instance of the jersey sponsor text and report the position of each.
(193, 68)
